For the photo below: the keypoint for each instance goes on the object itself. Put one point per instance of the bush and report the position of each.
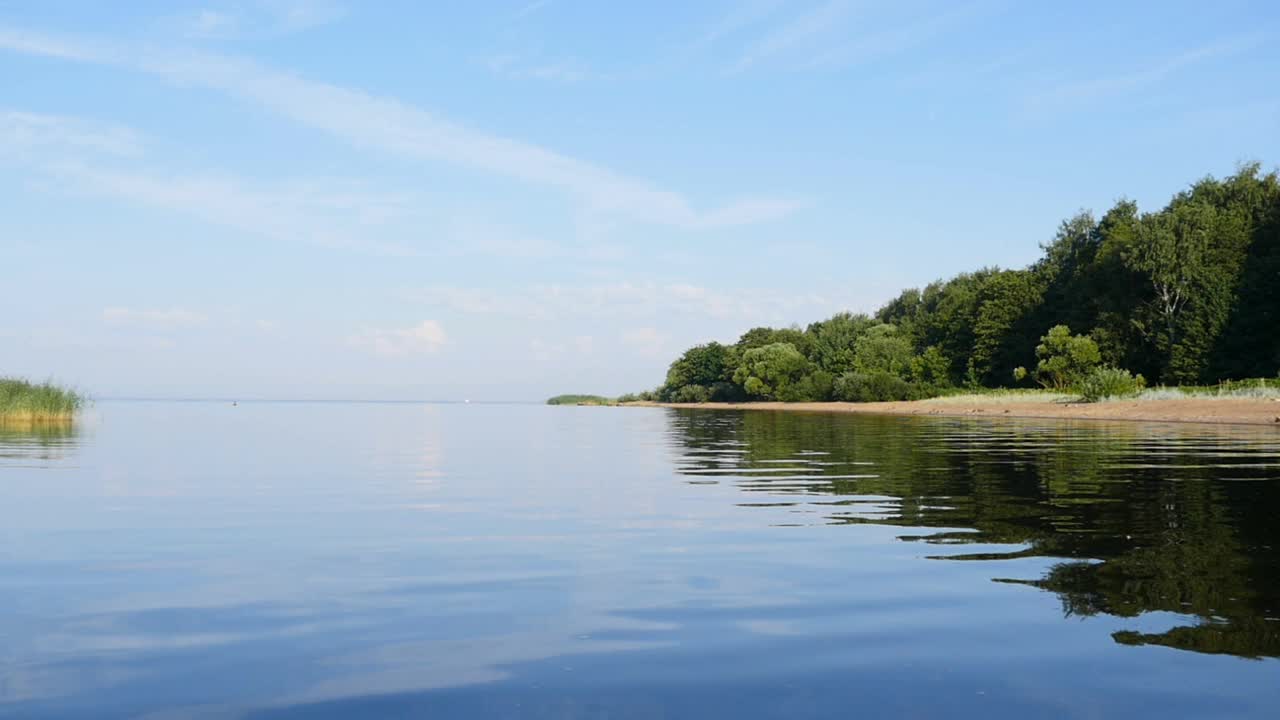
(1065, 360)
(1109, 382)
(691, 394)
(727, 392)
(872, 387)
(818, 386)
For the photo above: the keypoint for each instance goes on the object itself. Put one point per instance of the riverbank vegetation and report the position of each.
(1185, 295)
(581, 400)
(23, 401)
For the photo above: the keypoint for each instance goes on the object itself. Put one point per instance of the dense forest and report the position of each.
(1187, 294)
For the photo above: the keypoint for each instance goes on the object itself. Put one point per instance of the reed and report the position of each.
(24, 401)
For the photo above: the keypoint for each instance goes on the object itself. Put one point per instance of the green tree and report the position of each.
(768, 372)
(1064, 358)
(881, 349)
(700, 365)
(833, 341)
(931, 367)
(1170, 252)
(1002, 331)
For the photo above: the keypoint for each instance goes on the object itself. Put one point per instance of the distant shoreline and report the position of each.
(1218, 411)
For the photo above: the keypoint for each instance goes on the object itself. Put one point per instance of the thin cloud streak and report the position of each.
(156, 319)
(799, 30)
(24, 131)
(425, 338)
(390, 126)
(616, 300)
(897, 39)
(529, 9)
(1099, 88)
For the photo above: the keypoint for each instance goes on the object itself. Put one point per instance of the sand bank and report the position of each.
(1225, 411)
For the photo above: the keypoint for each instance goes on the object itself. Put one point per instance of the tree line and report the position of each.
(1187, 294)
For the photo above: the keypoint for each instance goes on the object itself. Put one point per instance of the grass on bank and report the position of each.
(1009, 395)
(1256, 388)
(581, 400)
(21, 400)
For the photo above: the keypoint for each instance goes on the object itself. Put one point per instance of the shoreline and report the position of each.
(1215, 411)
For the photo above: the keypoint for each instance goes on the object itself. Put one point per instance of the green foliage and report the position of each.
(1065, 358)
(1184, 294)
(931, 367)
(691, 394)
(1019, 374)
(877, 386)
(580, 400)
(768, 372)
(817, 386)
(1105, 382)
(881, 349)
(1002, 334)
(26, 401)
(834, 339)
(703, 368)
(700, 365)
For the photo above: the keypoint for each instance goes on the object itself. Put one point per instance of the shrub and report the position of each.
(1064, 359)
(932, 367)
(691, 394)
(817, 386)
(872, 387)
(1109, 382)
(726, 392)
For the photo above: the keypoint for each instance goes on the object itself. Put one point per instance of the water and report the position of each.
(291, 560)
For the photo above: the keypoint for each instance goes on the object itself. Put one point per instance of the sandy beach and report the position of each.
(1222, 411)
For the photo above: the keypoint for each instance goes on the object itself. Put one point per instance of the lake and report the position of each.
(364, 560)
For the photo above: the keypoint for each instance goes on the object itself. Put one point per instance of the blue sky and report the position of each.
(314, 198)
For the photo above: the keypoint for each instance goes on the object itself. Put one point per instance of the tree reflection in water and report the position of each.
(1144, 517)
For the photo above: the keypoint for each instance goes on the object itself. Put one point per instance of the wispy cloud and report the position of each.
(80, 157)
(1098, 88)
(425, 338)
(390, 126)
(561, 71)
(208, 23)
(255, 17)
(798, 31)
(24, 131)
(645, 340)
(37, 44)
(619, 300)
(898, 37)
(529, 8)
(297, 15)
(740, 18)
(309, 213)
(153, 319)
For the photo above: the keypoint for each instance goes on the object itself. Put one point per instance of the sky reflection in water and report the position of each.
(343, 560)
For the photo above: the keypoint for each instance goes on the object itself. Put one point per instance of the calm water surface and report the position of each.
(290, 560)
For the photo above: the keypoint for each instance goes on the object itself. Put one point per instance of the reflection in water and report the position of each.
(1143, 518)
(340, 560)
(36, 443)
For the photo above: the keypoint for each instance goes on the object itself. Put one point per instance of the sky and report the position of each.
(306, 199)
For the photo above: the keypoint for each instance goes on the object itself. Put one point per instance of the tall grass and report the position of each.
(1259, 388)
(1014, 395)
(21, 400)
